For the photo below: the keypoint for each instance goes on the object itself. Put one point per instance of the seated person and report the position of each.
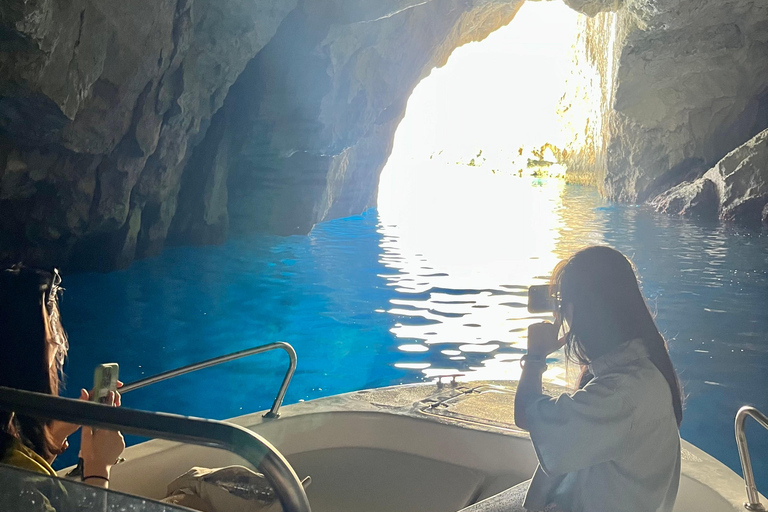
(33, 347)
(613, 445)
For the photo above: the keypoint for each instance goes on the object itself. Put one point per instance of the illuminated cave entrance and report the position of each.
(470, 201)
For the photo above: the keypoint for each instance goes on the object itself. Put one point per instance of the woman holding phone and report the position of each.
(33, 346)
(613, 444)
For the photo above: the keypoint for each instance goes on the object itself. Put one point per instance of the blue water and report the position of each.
(370, 301)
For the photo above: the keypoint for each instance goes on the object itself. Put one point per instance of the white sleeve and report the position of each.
(584, 429)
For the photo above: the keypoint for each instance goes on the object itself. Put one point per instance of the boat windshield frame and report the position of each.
(173, 427)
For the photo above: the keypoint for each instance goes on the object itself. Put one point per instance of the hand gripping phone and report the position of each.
(540, 300)
(104, 381)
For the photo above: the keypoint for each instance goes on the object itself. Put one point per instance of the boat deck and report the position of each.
(420, 448)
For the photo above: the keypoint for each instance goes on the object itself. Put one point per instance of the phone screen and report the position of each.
(539, 299)
(104, 381)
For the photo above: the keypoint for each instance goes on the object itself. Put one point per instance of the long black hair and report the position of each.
(608, 310)
(33, 346)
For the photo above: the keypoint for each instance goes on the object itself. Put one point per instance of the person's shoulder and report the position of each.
(638, 382)
(644, 371)
(20, 456)
(639, 368)
(614, 380)
(629, 380)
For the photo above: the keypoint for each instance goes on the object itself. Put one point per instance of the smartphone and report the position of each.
(104, 381)
(540, 300)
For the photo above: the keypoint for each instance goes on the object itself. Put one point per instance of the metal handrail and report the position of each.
(223, 359)
(217, 434)
(753, 497)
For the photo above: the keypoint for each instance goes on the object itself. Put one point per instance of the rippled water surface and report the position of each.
(404, 295)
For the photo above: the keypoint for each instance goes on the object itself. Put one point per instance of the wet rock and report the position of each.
(101, 104)
(736, 189)
(691, 83)
(699, 199)
(744, 174)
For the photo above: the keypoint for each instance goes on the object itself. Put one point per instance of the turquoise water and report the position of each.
(382, 299)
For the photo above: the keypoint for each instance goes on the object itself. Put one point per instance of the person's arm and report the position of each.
(542, 341)
(100, 449)
(61, 430)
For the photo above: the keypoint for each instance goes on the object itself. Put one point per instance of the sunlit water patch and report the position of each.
(371, 301)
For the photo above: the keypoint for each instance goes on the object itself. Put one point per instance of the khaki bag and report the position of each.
(228, 489)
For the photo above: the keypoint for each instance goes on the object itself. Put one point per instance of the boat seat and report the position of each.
(375, 480)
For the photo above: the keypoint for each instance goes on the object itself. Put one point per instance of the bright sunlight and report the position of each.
(497, 95)
(460, 203)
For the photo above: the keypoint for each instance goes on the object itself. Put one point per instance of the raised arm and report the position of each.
(542, 341)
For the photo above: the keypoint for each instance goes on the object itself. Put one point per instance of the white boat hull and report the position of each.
(406, 448)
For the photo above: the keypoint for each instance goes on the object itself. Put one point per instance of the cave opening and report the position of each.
(495, 100)
(476, 173)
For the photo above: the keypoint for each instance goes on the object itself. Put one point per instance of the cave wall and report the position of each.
(310, 122)
(683, 82)
(101, 104)
(128, 126)
(735, 189)
(586, 106)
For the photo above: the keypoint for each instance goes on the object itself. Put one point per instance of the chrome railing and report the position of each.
(217, 434)
(753, 497)
(273, 412)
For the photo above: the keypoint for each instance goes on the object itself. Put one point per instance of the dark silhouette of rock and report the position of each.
(699, 198)
(736, 189)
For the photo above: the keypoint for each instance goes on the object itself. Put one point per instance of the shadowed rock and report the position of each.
(105, 110)
(736, 189)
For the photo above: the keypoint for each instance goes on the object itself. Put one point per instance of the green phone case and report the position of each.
(104, 381)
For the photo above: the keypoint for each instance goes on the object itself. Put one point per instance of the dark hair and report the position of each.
(30, 328)
(608, 310)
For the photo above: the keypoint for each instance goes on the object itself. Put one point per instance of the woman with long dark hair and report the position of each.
(613, 444)
(33, 346)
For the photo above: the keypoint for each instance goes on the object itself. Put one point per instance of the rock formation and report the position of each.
(100, 106)
(128, 125)
(113, 136)
(734, 189)
(671, 87)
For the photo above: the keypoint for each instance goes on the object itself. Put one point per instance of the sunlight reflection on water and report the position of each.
(465, 244)
(340, 296)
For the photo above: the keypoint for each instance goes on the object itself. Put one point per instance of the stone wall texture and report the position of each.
(671, 86)
(126, 126)
(736, 188)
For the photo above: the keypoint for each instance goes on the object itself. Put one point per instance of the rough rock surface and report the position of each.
(669, 87)
(307, 136)
(113, 139)
(594, 7)
(128, 125)
(690, 84)
(100, 106)
(735, 189)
